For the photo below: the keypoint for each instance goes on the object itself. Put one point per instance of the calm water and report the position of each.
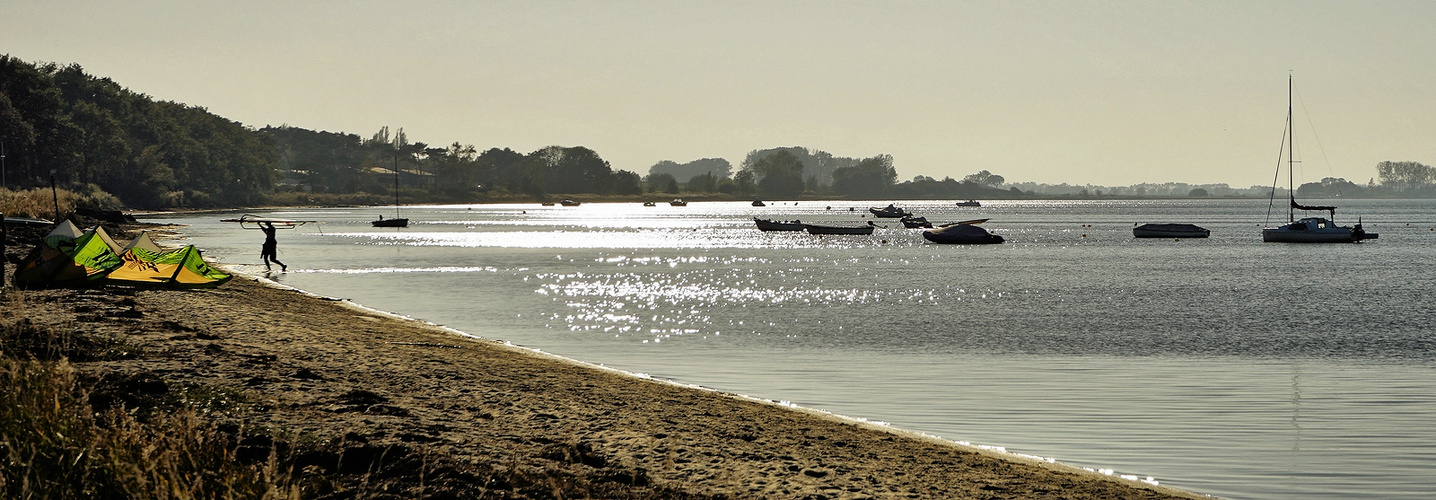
(1225, 366)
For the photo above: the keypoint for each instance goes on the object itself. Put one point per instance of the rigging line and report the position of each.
(1277, 176)
(1312, 125)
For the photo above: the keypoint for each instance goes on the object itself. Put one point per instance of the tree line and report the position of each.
(61, 126)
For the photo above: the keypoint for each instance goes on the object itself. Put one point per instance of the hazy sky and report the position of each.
(1101, 92)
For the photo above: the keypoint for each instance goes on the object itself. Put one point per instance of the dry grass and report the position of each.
(40, 203)
(55, 445)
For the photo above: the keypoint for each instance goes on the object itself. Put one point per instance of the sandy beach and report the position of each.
(392, 394)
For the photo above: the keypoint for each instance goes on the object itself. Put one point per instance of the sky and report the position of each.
(1079, 92)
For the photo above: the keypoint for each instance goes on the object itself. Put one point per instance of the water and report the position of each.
(1225, 365)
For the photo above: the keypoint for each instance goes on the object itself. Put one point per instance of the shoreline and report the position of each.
(337, 371)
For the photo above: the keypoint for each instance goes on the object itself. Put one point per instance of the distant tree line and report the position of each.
(90, 134)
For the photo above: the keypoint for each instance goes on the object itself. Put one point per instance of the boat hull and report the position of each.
(962, 234)
(888, 213)
(391, 223)
(839, 229)
(1315, 230)
(1170, 231)
(773, 225)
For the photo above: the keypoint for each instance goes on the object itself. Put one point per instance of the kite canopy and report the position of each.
(68, 257)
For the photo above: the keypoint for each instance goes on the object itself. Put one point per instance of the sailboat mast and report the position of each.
(1290, 156)
(396, 184)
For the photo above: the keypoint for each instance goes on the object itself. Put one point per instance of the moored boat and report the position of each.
(962, 234)
(1307, 229)
(822, 229)
(1170, 231)
(778, 225)
(915, 222)
(890, 212)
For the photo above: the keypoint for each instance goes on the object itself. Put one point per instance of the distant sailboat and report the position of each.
(396, 221)
(1307, 229)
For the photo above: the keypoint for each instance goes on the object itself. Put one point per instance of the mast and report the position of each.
(396, 184)
(1291, 158)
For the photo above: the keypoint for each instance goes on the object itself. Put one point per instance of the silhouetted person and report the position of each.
(270, 251)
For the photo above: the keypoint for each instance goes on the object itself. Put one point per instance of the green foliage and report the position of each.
(1407, 177)
(58, 122)
(780, 175)
(715, 167)
(869, 178)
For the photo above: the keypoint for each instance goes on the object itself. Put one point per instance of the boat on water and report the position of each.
(678, 202)
(778, 225)
(822, 229)
(889, 212)
(911, 222)
(1170, 231)
(965, 222)
(1306, 229)
(649, 204)
(759, 203)
(969, 203)
(569, 203)
(962, 234)
(397, 221)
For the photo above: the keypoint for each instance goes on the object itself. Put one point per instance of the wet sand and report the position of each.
(330, 369)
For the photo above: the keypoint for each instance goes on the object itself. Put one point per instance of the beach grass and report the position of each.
(55, 444)
(41, 203)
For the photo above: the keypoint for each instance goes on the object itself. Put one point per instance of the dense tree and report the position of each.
(869, 178)
(661, 183)
(58, 121)
(1330, 187)
(985, 178)
(1406, 177)
(779, 175)
(685, 172)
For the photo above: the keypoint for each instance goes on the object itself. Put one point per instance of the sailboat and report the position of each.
(396, 221)
(1306, 229)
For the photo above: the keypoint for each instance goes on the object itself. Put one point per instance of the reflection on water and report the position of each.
(1221, 365)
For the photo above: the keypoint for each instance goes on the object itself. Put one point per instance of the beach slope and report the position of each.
(458, 410)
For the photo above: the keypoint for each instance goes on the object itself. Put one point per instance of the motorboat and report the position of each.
(778, 225)
(962, 234)
(915, 222)
(678, 202)
(1170, 231)
(759, 203)
(969, 203)
(649, 204)
(889, 212)
(569, 203)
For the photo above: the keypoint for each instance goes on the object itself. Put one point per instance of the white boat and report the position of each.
(1307, 229)
(1170, 231)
